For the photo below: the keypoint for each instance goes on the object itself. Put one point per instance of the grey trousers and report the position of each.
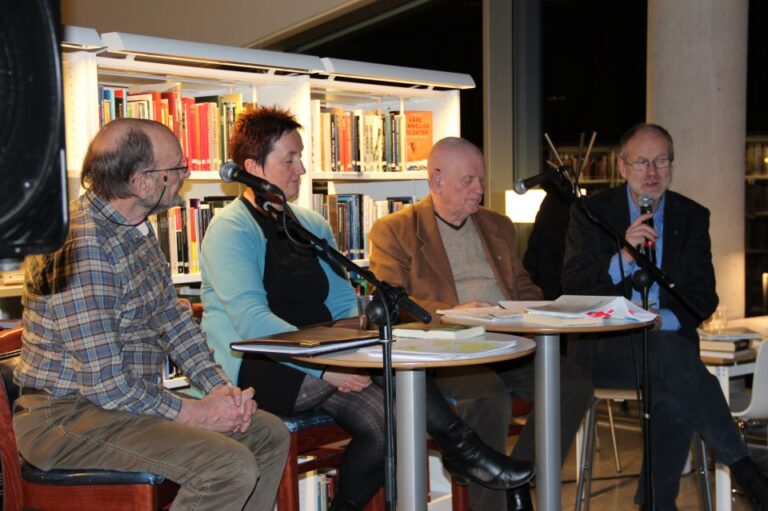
(484, 404)
(215, 471)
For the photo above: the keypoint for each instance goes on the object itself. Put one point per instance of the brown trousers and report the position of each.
(216, 471)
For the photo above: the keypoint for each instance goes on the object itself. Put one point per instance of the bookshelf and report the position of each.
(380, 178)
(303, 84)
(756, 225)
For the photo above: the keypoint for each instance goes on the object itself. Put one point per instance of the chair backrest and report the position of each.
(10, 343)
(758, 404)
(10, 340)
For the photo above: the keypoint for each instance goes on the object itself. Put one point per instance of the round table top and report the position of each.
(355, 358)
(520, 326)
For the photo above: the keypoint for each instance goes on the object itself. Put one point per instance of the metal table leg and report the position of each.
(411, 440)
(547, 410)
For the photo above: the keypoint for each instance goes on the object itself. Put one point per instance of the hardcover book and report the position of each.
(309, 341)
(422, 331)
(418, 138)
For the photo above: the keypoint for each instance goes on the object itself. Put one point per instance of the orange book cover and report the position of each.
(418, 134)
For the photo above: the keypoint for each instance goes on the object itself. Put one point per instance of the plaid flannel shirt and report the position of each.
(101, 313)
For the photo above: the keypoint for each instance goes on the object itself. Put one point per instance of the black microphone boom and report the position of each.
(231, 171)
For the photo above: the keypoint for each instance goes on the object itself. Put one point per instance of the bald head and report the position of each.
(456, 172)
(119, 150)
(447, 149)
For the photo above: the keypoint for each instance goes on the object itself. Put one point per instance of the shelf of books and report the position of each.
(199, 103)
(366, 137)
(369, 148)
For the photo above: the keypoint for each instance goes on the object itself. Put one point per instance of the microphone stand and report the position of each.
(385, 306)
(643, 279)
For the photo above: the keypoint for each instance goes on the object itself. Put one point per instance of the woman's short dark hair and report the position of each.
(256, 130)
(108, 172)
(643, 126)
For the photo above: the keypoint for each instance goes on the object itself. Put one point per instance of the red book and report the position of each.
(203, 121)
(186, 130)
(194, 138)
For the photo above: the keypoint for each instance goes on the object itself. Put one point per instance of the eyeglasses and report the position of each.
(184, 167)
(641, 164)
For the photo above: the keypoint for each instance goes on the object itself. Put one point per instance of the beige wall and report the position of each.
(229, 22)
(697, 75)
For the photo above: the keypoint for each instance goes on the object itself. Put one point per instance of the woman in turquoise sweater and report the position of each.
(256, 283)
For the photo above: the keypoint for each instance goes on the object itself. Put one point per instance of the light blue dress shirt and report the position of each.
(669, 320)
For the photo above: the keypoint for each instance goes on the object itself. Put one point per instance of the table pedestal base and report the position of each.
(547, 412)
(411, 440)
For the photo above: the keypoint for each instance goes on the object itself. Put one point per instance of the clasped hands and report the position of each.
(225, 409)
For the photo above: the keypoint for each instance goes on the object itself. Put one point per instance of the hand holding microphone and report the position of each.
(645, 202)
(641, 233)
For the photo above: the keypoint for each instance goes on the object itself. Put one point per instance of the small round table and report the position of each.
(411, 408)
(547, 393)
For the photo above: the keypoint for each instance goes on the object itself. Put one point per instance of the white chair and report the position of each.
(757, 409)
(586, 454)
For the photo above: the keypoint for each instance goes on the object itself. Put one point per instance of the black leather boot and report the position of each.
(467, 458)
(519, 499)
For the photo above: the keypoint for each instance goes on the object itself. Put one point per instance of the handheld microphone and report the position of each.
(231, 171)
(645, 202)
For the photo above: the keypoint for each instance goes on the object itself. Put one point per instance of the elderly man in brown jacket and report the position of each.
(447, 251)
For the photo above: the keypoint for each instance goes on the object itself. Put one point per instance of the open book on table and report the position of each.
(309, 341)
(577, 309)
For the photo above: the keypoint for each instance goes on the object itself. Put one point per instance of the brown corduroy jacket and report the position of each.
(407, 251)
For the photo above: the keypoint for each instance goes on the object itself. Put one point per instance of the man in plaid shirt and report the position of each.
(100, 316)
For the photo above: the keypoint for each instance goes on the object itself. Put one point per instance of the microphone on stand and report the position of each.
(523, 185)
(231, 171)
(559, 176)
(645, 202)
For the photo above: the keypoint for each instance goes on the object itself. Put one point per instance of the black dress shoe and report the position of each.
(756, 490)
(519, 499)
(467, 458)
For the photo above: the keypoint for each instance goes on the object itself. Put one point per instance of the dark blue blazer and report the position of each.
(686, 257)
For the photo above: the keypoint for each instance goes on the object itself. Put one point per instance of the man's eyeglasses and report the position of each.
(184, 167)
(641, 164)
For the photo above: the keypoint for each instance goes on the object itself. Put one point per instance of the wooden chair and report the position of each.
(311, 434)
(25, 486)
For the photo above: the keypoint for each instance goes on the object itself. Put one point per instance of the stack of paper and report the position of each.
(441, 349)
(505, 312)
